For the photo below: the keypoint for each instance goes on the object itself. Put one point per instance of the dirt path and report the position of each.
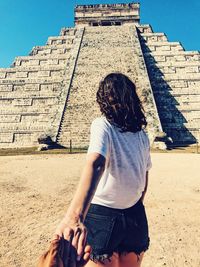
(36, 190)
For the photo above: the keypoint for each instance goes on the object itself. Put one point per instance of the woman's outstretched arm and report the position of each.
(72, 223)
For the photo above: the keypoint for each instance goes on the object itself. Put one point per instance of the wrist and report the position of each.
(73, 217)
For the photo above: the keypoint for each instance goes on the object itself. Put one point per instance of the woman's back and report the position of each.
(127, 160)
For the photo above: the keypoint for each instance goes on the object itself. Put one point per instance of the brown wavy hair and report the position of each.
(120, 104)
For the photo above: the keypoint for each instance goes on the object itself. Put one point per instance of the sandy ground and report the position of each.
(36, 190)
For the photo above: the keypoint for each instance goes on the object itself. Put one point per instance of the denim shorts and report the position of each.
(116, 230)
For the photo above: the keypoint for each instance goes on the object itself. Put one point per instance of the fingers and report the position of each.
(86, 256)
(68, 235)
(88, 249)
(72, 239)
(55, 237)
(81, 242)
(87, 252)
(76, 238)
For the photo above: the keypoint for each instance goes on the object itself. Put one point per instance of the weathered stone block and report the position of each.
(49, 62)
(2, 75)
(10, 75)
(194, 85)
(43, 73)
(163, 48)
(44, 101)
(22, 102)
(6, 87)
(29, 62)
(5, 102)
(21, 74)
(32, 87)
(9, 118)
(179, 58)
(24, 138)
(195, 57)
(32, 74)
(6, 137)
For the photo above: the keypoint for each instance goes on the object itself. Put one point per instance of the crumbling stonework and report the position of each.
(52, 91)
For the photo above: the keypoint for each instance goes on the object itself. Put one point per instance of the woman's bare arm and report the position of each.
(90, 177)
(72, 222)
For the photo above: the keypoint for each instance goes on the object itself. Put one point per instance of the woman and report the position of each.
(108, 203)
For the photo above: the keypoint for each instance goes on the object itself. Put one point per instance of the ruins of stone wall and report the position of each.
(175, 78)
(103, 51)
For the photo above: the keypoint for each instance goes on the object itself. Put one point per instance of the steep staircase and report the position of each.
(175, 79)
(104, 50)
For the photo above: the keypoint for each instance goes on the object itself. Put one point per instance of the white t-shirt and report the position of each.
(127, 160)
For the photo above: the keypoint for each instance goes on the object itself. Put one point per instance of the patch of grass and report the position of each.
(33, 151)
(180, 149)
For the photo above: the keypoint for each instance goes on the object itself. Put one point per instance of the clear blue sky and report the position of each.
(27, 23)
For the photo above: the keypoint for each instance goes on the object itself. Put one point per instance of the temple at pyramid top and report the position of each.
(107, 14)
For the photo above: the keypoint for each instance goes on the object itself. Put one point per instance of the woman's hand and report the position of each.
(74, 231)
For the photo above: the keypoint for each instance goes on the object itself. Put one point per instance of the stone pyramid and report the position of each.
(52, 91)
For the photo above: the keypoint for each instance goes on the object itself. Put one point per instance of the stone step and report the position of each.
(173, 108)
(28, 101)
(182, 136)
(23, 139)
(41, 60)
(27, 118)
(32, 72)
(31, 68)
(175, 64)
(145, 28)
(178, 76)
(26, 75)
(28, 81)
(191, 115)
(179, 124)
(50, 49)
(177, 118)
(166, 113)
(180, 70)
(41, 57)
(177, 92)
(172, 56)
(59, 40)
(162, 46)
(23, 127)
(68, 31)
(153, 37)
(160, 76)
(180, 98)
(28, 94)
(176, 85)
(28, 110)
(188, 126)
